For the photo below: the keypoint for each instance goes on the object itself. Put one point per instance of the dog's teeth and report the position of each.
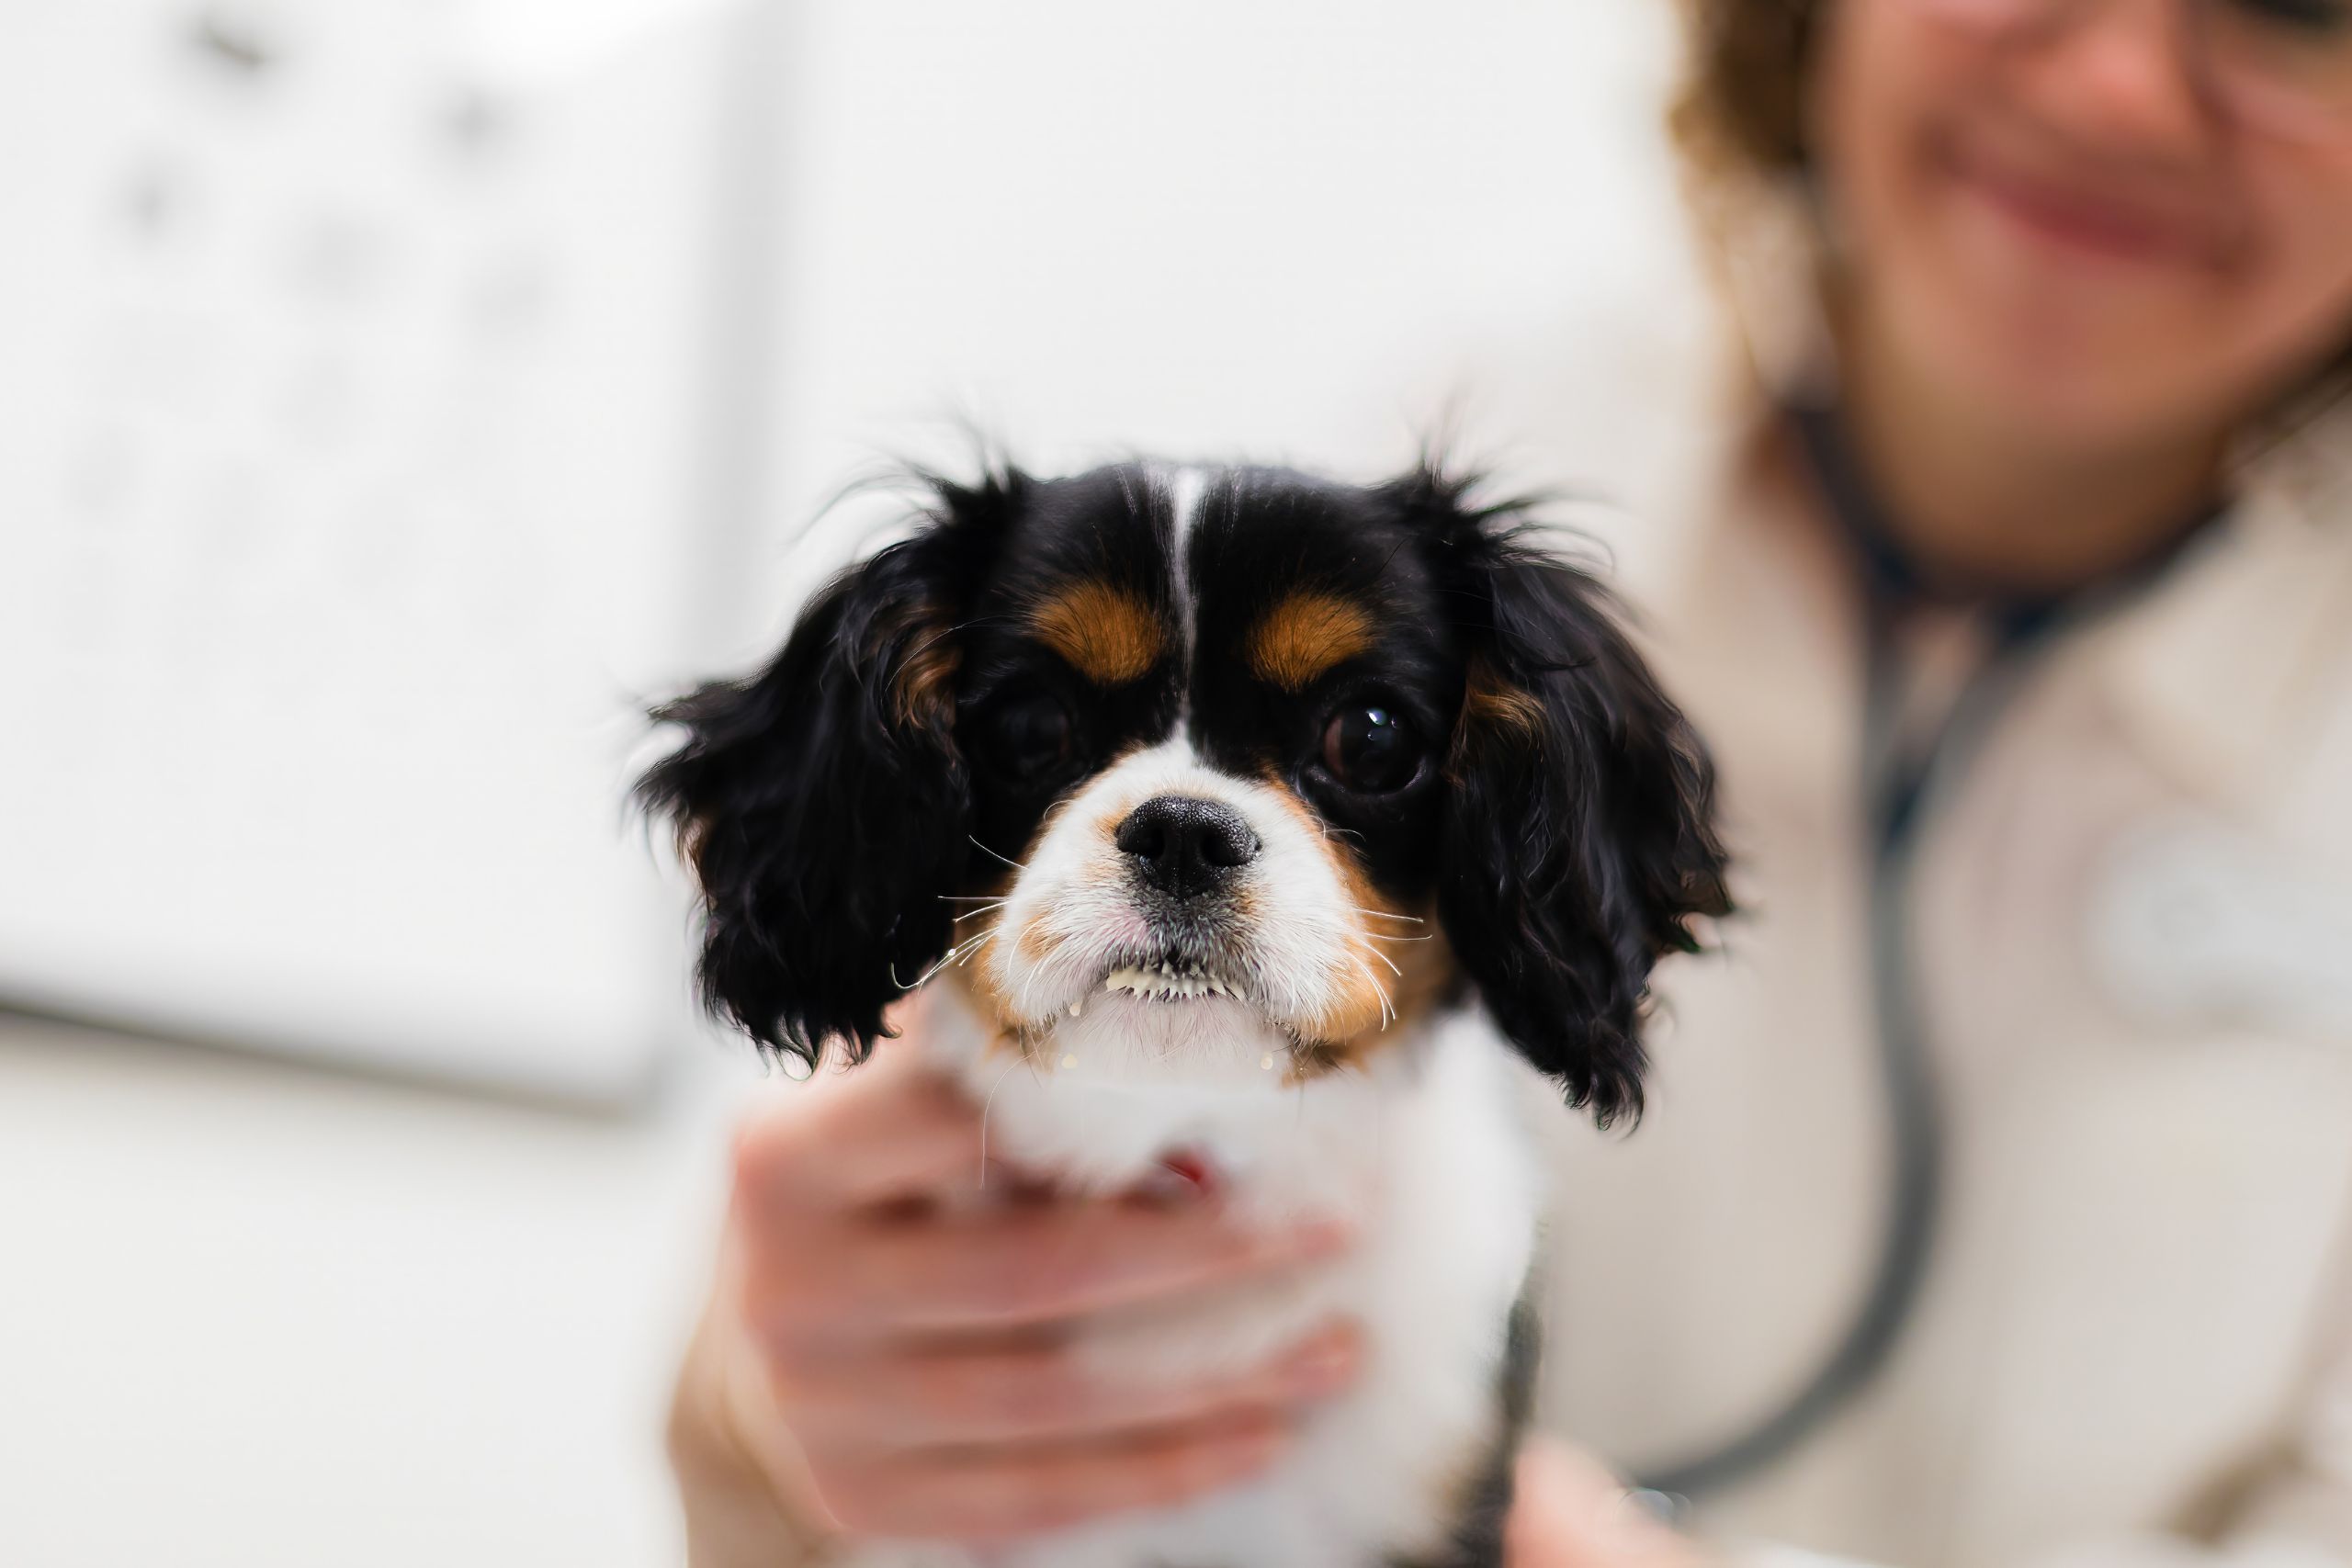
(1165, 983)
(1073, 1010)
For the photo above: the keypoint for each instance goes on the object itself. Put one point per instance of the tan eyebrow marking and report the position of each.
(1486, 698)
(924, 682)
(1108, 633)
(1306, 635)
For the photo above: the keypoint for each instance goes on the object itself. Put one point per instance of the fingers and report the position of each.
(997, 1492)
(996, 1392)
(915, 1344)
(827, 1255)
(1569, 1512)
(1010, 1268)
(847, 1139)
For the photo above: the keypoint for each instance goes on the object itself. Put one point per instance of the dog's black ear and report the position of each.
(1580, 835)
(823, 802)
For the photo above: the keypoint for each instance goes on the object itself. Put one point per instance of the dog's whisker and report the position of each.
(1387, 1007)
(923, 980)
(969, 946)
(1019, 1057)
(986, 851)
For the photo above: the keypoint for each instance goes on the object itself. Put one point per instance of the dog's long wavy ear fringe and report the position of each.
(823, 802)
(1580, 841)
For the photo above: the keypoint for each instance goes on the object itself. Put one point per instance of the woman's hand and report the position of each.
(916, 1351)
(1568, 1512)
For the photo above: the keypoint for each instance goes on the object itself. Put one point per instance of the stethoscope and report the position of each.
(1903, 786)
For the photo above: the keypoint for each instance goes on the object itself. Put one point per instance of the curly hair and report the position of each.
(1741, 113)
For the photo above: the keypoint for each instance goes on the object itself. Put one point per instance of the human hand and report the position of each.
(916, 1349)
(1569, 1512)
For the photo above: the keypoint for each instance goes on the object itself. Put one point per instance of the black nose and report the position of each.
(1185, 846)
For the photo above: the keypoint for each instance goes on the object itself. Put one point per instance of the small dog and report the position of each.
(1208, 794)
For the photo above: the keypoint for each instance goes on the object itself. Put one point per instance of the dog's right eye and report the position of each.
(1027, 739)
(1370, 748)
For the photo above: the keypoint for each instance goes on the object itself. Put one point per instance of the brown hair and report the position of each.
(1741, 113)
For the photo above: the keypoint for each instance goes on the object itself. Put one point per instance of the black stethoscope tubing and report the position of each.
(1903, 797)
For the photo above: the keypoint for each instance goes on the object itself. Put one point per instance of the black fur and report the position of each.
(1579, 847)
(824, 803)
(1477, 1539)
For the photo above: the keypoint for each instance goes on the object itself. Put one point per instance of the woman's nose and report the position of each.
(2123, 78)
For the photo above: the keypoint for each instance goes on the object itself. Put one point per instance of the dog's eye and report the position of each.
(1027, 738)
(1370, 748)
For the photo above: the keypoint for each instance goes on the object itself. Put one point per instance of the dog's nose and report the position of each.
(1186, 846)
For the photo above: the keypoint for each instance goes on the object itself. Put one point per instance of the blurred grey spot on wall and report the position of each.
(364, 489)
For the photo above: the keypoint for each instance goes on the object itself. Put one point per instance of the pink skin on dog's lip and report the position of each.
(2067, 210)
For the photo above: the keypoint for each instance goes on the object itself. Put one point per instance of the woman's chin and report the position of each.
(2023, 362)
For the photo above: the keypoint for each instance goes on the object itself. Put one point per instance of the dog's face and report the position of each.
(1238, 748)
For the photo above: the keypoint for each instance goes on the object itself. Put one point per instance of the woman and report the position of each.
(1996, 1202)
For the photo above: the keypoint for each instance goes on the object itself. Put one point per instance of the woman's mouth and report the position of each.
(2071, 214)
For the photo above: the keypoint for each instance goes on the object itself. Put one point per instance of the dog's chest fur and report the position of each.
(1426, 1151)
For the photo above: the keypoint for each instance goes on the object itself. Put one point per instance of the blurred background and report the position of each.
(398, 394)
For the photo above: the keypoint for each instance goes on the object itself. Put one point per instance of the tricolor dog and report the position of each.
(1251, 817)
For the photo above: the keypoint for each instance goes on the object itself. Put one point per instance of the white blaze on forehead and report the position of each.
(1073, 916)
(1187, 488)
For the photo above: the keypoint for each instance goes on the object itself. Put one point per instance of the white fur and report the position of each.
(1186, 488)
(1308, 943)
(1420, 1144)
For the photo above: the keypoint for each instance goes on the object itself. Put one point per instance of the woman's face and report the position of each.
(2077, 213)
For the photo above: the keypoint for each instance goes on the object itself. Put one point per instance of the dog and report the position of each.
(1249, 818)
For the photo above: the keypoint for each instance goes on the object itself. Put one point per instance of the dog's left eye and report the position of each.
(1370, 748)
(1027, 738)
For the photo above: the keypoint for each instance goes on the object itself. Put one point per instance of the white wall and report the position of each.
(1303, 231)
